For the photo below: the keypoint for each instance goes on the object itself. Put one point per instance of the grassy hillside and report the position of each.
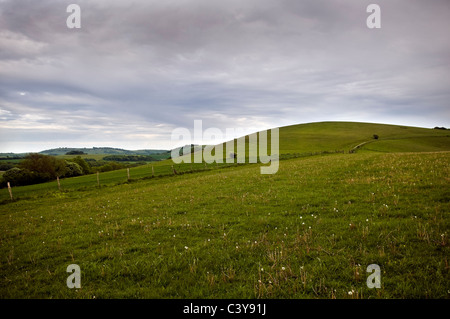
(308, 231)
(329, 136)
(161, 169)
(411, 144)
(302, 139)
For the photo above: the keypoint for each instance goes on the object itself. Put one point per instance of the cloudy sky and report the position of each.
(136, 70)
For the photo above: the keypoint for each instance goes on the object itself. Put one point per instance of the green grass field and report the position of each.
(81, 183)
(296, 140)
(331, 136)
(308, 231)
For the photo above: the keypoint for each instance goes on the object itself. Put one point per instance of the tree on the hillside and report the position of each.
(86, 169)
(48, 167)
(19, 177)
(72, 169)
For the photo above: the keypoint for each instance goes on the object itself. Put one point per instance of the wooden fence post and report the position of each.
(10, 191)
(98, 179)
(153, 172)
(59, 184)
(128, 173)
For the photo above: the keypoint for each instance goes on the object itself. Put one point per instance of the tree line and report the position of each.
(129, 158)
(39, 168)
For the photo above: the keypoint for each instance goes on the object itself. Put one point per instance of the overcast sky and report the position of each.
(136, 70)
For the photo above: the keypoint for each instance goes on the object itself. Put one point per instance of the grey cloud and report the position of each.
(260, 63)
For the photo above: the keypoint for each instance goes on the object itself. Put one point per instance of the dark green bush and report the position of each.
(72, 169)
(20, 177)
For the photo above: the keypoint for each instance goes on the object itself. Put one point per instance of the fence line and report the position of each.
(136, 173)
(108, 178)
(10, 191)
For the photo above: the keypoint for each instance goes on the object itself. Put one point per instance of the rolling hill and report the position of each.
(308, 231)
(321, 137)
(329, 136)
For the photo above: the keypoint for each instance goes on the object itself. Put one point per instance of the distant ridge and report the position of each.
(101, 150)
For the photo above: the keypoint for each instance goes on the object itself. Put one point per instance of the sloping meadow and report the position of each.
(308, 231)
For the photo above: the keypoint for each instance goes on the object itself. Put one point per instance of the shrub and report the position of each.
(72, 169)
(110, 167)
(85, 168)
(20, 177)
(6, 166)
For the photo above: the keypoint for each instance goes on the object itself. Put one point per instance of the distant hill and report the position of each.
(100, 150)
(12, 155)
(330, 137)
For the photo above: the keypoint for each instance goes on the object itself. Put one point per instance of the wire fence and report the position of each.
(105, 179)
(122, 176)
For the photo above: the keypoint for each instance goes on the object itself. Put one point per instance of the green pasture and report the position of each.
(308, 231)
(228, 231)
